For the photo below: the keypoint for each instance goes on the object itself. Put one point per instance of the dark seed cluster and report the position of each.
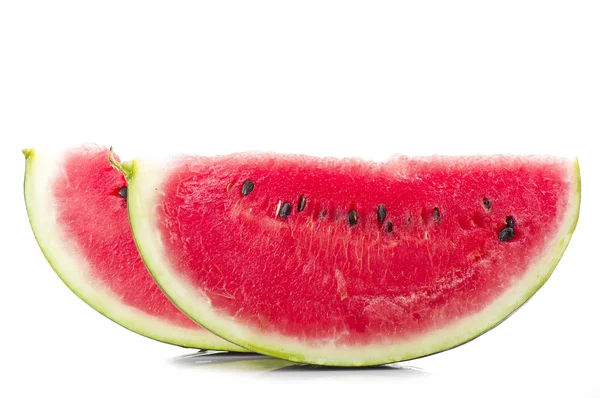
(507, 232)
(286, 208)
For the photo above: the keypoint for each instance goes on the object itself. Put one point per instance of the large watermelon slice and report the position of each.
(76, 206)
(349, 262)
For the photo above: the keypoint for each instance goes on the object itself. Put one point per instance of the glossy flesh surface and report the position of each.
(332, 277)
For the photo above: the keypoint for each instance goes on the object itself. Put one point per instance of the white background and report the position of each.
(328, 78)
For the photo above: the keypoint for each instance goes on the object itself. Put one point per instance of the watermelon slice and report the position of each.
(79, 217)
(349, 262)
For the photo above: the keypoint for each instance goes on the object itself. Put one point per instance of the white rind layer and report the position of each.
(145, 179)
(42, 168)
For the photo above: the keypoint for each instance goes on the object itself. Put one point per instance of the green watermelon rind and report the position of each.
(145, 178)
(70, 266)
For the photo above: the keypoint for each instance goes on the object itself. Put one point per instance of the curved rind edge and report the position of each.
(443, 339)
(101, 301)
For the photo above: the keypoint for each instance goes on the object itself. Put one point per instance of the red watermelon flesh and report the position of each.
(77, 206)
(461, 244)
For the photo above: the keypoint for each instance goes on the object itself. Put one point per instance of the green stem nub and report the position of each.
(124, 167)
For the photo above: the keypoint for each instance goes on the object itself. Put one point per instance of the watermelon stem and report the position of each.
(27, 152)
(122, 167)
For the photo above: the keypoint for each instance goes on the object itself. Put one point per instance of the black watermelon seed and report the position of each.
(285, 210)
(247, 187)
(436, 215)
(389, 227)
(381, 213)
(510, 222)
(352, 217)
(506, 234)
(486, 203)
(302, 203)
(123, 192)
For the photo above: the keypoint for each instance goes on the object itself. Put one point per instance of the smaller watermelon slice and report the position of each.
(77, 210)
(349, 262)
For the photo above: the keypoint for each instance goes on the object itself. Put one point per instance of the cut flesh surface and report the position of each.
(295, 256)
(78, 214)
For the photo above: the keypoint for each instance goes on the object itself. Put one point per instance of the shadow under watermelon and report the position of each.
(231, 361)
(269, 367)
